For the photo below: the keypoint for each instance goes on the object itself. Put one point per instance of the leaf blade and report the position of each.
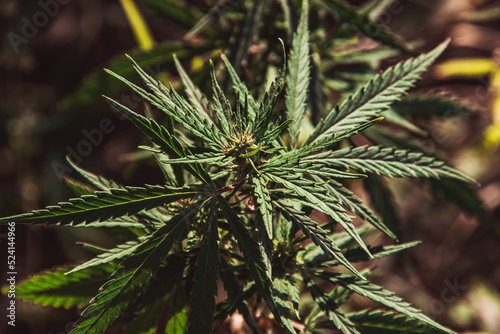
(298, 76)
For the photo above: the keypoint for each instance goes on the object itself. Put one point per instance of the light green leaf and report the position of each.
(380, 322)
(177, 314)
(389, 299)
(118, 253)
(376, 96)
(298, 76)
(389, 162)
(142, 34)
(318, 236)
(330, 309)
(196, 97)
(56, 289)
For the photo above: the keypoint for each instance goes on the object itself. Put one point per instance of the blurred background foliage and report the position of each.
(51, 81)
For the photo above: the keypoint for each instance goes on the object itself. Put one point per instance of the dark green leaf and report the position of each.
(104, 205)
(427, 107)
(253, 257)
(202, 306)
(115, 296)
(366, 27)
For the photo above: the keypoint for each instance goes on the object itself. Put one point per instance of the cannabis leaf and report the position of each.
(376, 96)
(298, 76)
(388, 162)
(104, 205)
(240, 197)
(205, 279)
(136, 271)
(57, 289)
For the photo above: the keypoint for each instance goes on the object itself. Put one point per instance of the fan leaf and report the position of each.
(202, 306)
(115, 296)
(376, 96)
(104, 205)
(298, 76)
(57, 289)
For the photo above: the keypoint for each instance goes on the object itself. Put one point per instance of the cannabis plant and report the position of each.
(343, 57)
(242, 185)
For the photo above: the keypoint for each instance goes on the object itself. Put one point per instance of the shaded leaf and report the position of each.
(115, 296)
(427, 107)
(202, 305)
(365, 26)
